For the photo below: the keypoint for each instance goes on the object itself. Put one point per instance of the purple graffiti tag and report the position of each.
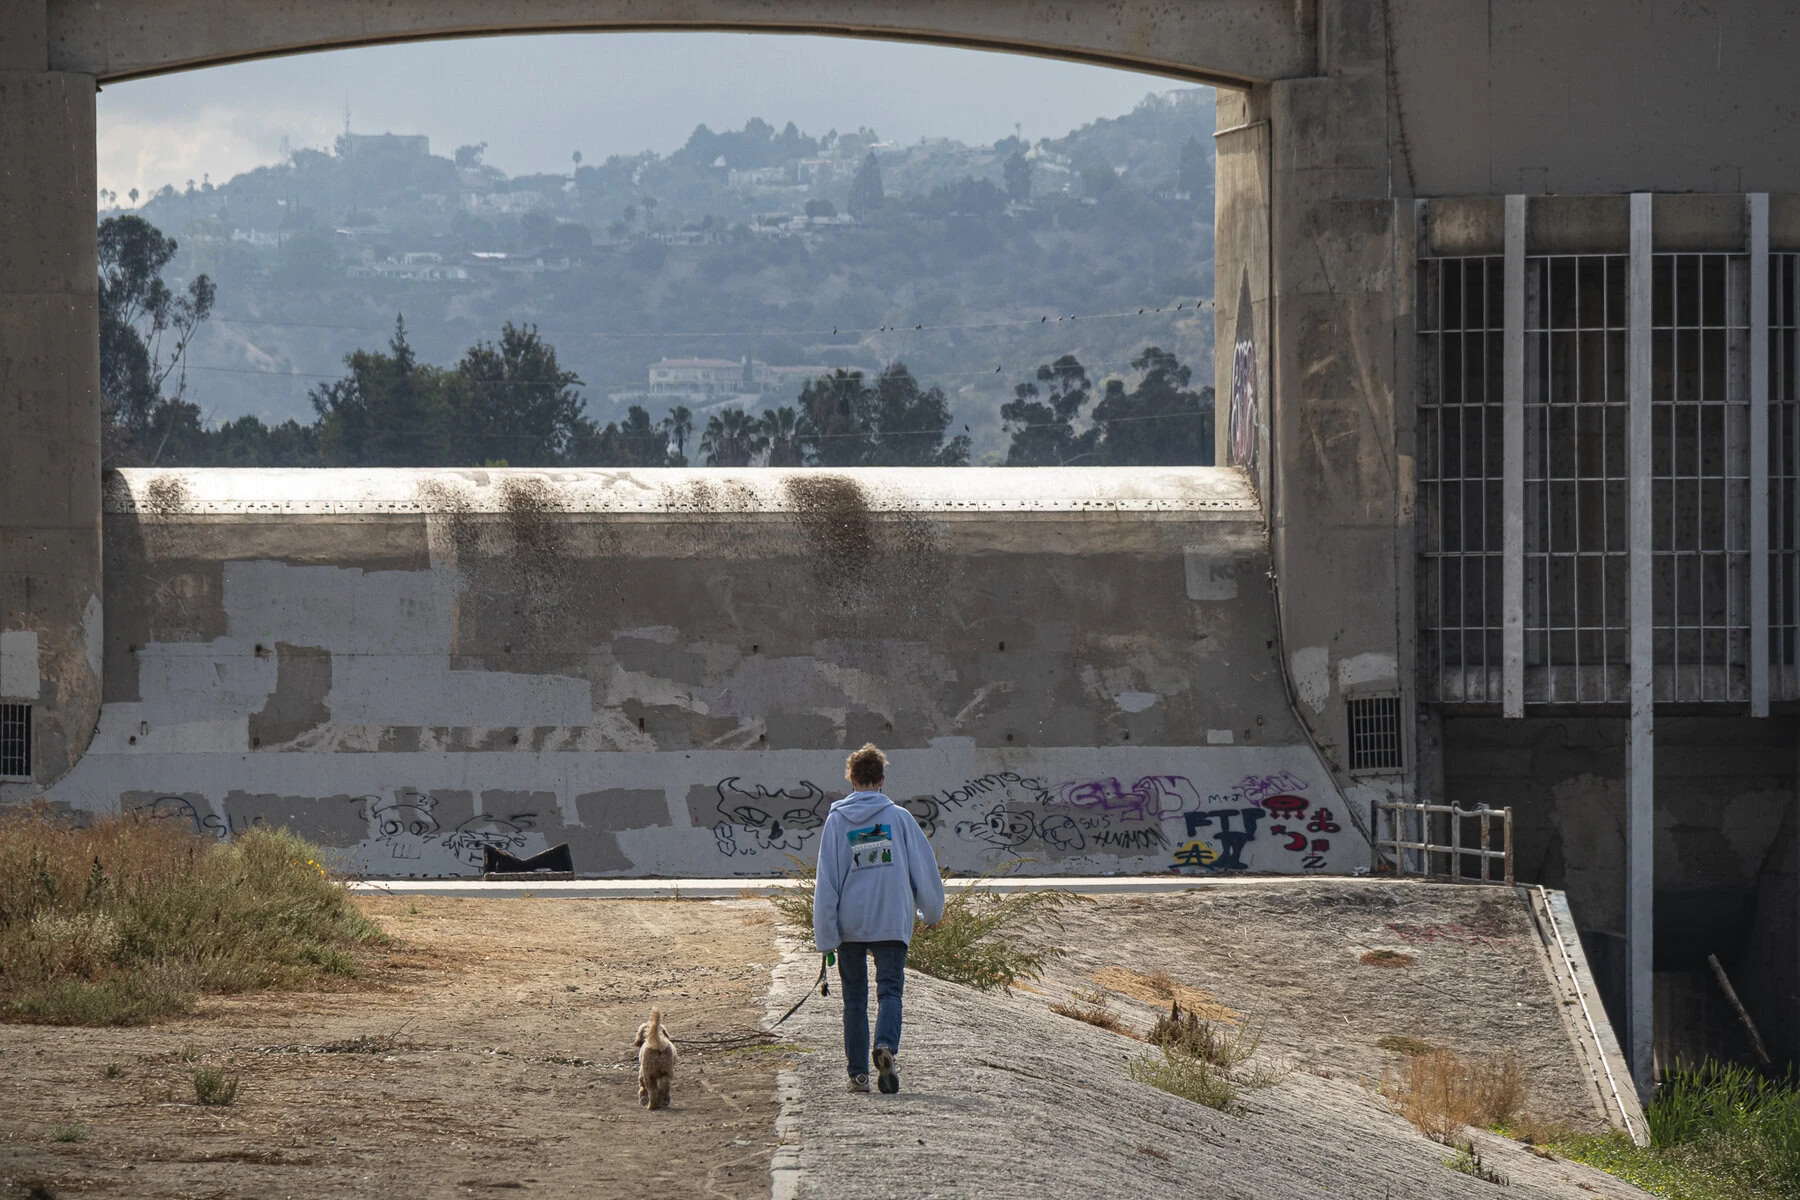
(1152, 798)
(1257, 788)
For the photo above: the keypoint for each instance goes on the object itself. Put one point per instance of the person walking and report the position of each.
(876, 874)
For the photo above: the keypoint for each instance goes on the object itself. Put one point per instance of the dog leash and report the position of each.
(819, 983)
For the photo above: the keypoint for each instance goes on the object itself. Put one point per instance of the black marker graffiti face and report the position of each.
(750, 823)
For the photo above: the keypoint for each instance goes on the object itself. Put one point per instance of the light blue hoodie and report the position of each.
(875, 869)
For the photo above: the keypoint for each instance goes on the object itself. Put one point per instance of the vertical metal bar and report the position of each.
(1509, 847)
(1512, 479)
(1484, 843)
(1641, 745)
(1759, 453)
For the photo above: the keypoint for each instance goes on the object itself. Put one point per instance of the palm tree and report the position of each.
(731, 439)
(783, 430)
(679, 425)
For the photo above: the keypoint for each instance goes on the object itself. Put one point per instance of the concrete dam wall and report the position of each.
(665, 669)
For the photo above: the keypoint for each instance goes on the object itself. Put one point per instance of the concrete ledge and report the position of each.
(674, 493)
(731, 889)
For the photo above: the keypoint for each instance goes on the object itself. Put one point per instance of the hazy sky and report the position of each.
(536, 99)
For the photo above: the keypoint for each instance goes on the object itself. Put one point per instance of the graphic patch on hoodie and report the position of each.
(871, 846)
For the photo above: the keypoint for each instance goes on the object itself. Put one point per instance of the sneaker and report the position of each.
(860, 1083)
(884, 1065)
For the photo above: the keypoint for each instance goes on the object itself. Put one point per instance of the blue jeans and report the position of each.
(890, 982)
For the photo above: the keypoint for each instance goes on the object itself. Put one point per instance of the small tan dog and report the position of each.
(656, 1062)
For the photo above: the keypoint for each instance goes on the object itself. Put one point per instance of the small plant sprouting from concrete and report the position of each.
(1093, 1007)
(213, 1087)
(1202, 1060)
(1467, 1160)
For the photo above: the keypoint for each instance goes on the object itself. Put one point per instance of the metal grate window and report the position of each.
(1459, 468)
(15, 741)
(1375, 734)
(1576, 555)
(1784, 476)
(1700, 476)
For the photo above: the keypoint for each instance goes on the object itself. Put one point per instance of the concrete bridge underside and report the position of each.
(1215, 41)
(1338, 116)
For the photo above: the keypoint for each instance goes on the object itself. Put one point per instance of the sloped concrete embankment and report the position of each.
(1004, 1098)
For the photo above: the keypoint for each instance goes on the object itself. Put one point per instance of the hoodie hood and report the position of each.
(860, 806)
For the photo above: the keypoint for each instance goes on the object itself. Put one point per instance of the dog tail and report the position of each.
(655, 1027)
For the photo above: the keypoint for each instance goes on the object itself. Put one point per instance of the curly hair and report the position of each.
(866, 768)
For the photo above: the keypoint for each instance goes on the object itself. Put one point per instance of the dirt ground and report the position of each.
(489, 1051)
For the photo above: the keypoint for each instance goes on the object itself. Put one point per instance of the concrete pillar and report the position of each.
(1640, 751)
(49, 396)
(1340, 507)
(1512, 505)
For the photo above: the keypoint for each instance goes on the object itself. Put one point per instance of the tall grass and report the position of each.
(987, 939)
(127, 920)
(1718, 1131)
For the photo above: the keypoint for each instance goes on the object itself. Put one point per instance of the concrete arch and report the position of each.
(1229, 42)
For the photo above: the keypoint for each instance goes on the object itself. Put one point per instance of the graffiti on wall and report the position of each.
(1279, 820)
(1260, 806)
(402, 826)
(405, 826)
(1243, 382)
(206, 824)
(762, 819)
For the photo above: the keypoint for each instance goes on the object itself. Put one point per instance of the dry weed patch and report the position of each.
(1441, 1092)
(1386, 958)
(127, 920)
(1090, 1005)
(1159, 988)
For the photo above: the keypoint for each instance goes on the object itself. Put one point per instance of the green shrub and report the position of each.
(1717, 1132)
(129, 919)
(987, 939)
(212, 1086)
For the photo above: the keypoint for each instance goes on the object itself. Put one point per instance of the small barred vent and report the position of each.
(15, 741)
(1375, 734)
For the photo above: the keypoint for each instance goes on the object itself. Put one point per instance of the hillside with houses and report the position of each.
(728, 271)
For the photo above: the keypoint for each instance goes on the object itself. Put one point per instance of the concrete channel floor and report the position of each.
(1002, 1097)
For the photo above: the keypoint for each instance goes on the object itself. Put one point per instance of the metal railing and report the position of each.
(1452, 825)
